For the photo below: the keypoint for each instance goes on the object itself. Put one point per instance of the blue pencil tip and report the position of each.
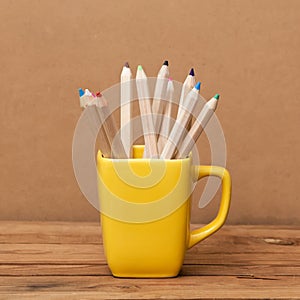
(197, 86)
(81, 92)
(192, 73)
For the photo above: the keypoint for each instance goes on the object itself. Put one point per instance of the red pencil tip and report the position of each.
(98, 94)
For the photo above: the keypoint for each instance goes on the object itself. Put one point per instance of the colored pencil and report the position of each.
(87, 102)
(109, 125)
(187, 86)
(98, 130)
(150, 150)
(81, 98)
(126, 109)
(159, 95)
(197, 128)
(178, 129)
(84, 97)
(166, 122)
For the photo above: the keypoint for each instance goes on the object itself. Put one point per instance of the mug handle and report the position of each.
(200, 234)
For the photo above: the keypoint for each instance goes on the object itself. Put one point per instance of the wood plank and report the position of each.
(187, 270)
(90, 233)
(255, 271)
(52, 253)
(49, 232)
(94, 254)
(87, 295)
(187, 287)
(15, 270)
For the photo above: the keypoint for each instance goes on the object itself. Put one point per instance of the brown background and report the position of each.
(248, 51)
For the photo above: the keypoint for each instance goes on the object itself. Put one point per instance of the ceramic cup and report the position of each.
(145, 209)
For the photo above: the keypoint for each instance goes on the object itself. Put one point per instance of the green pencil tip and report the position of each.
(217, 96)
(140, 67)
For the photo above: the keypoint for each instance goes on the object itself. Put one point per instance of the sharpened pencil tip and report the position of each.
(192, 73)
(170, 79)
(217, 96)
(87, 92)
(98, 94)
(166, 63)
(81, 92)
(140, 67)
(126, 64)
(197, 86)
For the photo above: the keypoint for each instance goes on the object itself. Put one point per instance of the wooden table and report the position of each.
(65, 261)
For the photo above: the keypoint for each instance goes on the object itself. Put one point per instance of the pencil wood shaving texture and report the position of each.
(146, 114)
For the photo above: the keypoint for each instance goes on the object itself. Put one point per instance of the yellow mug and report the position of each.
(145, 212)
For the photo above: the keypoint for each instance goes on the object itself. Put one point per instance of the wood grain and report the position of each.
(187, 287)
(59, 260)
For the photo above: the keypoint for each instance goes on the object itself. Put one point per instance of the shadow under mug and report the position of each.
(145, 209)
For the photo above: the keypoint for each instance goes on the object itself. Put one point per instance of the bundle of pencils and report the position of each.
(162, 138)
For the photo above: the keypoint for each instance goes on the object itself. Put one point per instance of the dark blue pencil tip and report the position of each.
(81, 92)
(197, 86)
(192, 73)
(166, 63)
